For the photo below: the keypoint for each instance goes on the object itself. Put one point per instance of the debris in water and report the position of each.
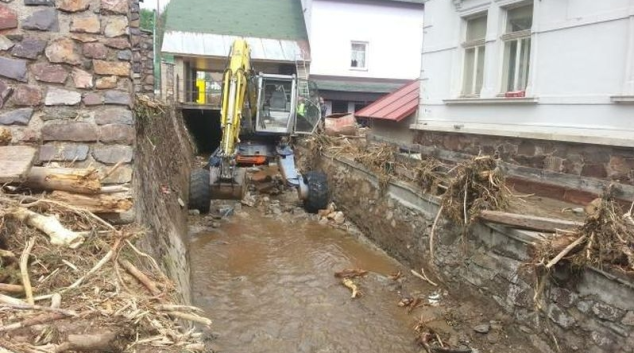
(248, 200)
(352, 286)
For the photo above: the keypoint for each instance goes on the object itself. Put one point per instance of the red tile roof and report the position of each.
(395, 106)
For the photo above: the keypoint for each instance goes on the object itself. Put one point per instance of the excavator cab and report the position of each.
(277, 95)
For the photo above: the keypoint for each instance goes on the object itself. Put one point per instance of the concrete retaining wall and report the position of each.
(590, 311)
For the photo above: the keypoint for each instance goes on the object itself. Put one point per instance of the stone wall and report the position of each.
(596, 161)
(65, 80)
(587, 311)
(143, 62)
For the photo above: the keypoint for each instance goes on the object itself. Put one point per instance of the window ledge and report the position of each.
(523, 100)
(623, 99)
(359, 68)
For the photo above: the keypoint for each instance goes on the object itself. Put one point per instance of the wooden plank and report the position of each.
(521, 221)
(78, 180)
(15, 163)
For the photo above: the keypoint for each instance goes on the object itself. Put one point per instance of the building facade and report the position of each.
(547, 84)
(362, 49)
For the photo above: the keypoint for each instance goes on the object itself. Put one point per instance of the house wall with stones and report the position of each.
(143, 62)
(66, 83)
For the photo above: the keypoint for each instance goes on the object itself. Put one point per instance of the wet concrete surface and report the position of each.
(267, 282)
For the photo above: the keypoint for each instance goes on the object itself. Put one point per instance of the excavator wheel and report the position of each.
(317, 198)
(199, 190)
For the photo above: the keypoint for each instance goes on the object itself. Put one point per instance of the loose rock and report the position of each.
(482, 328)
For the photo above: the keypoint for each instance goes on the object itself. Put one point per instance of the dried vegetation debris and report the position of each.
(102, 294)
(605, 239)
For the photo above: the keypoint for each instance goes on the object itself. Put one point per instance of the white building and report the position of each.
(362, 49)
(559, 70)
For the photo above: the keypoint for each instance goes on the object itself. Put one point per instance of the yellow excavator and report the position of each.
(260, 113)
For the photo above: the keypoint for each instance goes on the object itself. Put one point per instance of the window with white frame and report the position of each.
(359, 55)
(517, 48)
(474, 49)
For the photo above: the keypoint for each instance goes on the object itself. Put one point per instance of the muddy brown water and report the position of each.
(269, 286)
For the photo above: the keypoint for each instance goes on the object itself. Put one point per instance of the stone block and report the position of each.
(114, 116)
(149, 80)
(621, 167)
(603, 340)
(117, 133)
(122, 175)
(63, 50)
(113, 154)
(49, 73)
(628, 319)
(111, 68)
(92, 98)
(607, 312)
(63, 153)
(76, 131)
(563, 297)
(5, 43)
(29, 48)
(125, 55)
(594, 171)
(13, 69)
(560, 317)
(117, 43)
(114, 6)
(73, 5)
(95, 51)
(57, 113)
(42, 20)
(5, 93)
(554, 164)
(27, 95)
(8, 18)
(118, 98)
(82, 79)
(85, 24)
(39, 2)
(58, 96)
(106, 82)
(115, 26)
(16, 117)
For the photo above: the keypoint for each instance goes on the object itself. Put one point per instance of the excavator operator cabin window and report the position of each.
(358, 56)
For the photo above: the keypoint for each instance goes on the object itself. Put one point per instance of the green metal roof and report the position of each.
(352, 86)
(276, 19)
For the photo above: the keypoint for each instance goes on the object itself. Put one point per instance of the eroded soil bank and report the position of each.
(265, 275)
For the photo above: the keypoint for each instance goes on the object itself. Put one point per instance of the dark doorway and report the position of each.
(204, 127)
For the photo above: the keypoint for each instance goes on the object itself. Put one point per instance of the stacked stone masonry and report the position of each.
(66, 69)
(595, 161)
(587, 311)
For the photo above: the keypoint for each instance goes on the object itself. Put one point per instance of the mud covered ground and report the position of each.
(265, 275)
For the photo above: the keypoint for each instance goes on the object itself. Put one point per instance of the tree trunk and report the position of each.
(84, 181)
(99, 203)
(528, 222)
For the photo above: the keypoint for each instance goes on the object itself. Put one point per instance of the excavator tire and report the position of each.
(199, 190)
(318, 192)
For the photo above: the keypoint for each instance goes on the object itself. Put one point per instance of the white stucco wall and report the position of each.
(394, 32)
(582, 57)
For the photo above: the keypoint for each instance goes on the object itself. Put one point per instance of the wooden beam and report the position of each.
(99, 203)
(527, 222)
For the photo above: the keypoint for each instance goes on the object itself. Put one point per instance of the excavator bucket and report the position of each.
(228, 189)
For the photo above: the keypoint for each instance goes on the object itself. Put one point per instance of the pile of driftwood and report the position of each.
(70, 281)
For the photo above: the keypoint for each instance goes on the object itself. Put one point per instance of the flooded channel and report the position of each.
(270, 287)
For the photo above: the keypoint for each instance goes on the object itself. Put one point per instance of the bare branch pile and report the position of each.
(80, 284)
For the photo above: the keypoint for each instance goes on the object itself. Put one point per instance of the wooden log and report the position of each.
(141, 277)
(84, 181)
(11, 288)
(97, 203)
(528, 222)
(98, 342)
(15, 163)
(50, 225)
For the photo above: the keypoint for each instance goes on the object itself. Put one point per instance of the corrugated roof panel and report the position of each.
(395, 106)
(208, 44)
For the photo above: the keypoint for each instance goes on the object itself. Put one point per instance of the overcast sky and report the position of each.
(151, 4)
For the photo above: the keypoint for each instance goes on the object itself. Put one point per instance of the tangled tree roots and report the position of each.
(102, 295)
(606, 238)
